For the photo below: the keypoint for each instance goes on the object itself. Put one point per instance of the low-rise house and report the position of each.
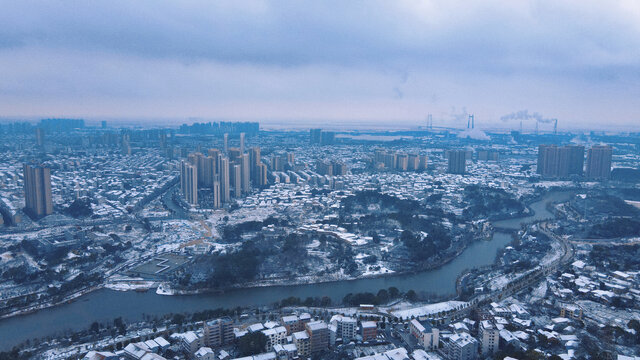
(570, 311)
(162, 343)
(191, 342)
(135, 351)
(369, 330)
(100, 355)
(204, 353)
(286, 352)
(275, 336)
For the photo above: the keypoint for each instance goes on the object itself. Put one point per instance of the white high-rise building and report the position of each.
(189, 182)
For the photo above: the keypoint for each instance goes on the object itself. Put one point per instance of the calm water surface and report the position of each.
(105, 305)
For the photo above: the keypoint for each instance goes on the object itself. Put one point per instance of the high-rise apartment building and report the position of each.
(328, 138)
(571, 160)
(254, 162)
(197, 159)
(548, 160)
(40, 136)
(217, 196)
(554, 161)
(189, 182)
(225, 191)
(246, 173)
(262, 175)
(402, 162)
(235, 156)
(37, 190)
(241, 143)
(339, 168)
(209, 170)
(324, 168)
(457, 161)
(488, 155)
(276, 163)
(413, 162)
(213, 152)
(291, 157)
(316, 136)
(236, 179)
(423, 162)
(599, 162)
(390, 160)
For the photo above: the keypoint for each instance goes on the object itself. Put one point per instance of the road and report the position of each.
(538, 273)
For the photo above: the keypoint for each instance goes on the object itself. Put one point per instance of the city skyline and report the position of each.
(370, 63)
(335, 180)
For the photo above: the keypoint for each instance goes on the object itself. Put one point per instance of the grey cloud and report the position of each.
(460, 36)
(360, 59)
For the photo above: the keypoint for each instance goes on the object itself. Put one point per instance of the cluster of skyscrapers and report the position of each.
(565, 161)
(331, 168)
(400, 161)
(231, 172)
(322, 137)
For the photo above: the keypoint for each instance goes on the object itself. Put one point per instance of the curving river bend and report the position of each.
(104, 305)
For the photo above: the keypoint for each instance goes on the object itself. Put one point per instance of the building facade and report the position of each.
(457, 162)
(189, 182)
(37, 190)
(599, 162)
(218, 332)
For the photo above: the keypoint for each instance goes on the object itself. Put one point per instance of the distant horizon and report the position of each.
(337, 125)
(359, 62)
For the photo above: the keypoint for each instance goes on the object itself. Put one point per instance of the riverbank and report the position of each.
(103, 305)
(141, 285)
(311, 280)
(37, 307)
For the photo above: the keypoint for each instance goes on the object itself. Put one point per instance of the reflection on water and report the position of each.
(105, 305)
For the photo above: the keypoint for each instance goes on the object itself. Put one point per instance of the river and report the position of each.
(104, 305)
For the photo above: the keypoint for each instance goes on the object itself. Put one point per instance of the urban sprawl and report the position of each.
(468, 244)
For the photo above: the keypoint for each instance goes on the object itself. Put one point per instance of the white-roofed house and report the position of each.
(204, 353)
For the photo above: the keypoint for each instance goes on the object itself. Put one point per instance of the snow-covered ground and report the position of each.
(130, 285)
(405, 312)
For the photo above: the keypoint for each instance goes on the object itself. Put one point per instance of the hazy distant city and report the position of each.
(222, 240)
(298, 180)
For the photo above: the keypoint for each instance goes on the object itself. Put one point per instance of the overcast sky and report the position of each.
(333, 61)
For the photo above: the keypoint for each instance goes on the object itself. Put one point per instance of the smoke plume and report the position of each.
(525, 115)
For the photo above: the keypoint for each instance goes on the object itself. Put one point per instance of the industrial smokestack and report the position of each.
(473, 122)
(555, 127)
